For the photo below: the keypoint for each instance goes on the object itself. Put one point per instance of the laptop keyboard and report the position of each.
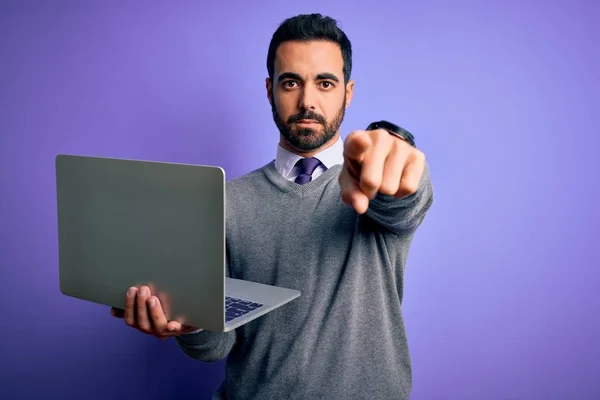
(235, 308)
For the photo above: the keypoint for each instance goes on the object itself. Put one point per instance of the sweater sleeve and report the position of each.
(205, 345)
(403, 215)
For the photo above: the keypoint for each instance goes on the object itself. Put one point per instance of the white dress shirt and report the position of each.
(285, 161)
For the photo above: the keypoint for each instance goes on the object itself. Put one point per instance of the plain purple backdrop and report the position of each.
(503, 97)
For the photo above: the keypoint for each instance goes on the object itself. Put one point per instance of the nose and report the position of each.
(307, 98)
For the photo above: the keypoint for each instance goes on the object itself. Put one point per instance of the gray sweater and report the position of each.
(344, 337)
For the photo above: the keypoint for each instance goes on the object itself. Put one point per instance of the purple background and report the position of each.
(502, 282)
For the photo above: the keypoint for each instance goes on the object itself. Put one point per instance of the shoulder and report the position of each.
(247, 185)
(246, 192)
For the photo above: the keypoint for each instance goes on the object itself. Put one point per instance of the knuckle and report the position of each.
(419, 156)
(388, 188)
(378, 135)
(410, 187)
(369, 183)
(399, 143)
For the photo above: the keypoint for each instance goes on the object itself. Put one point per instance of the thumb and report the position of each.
(174, 326)
(179, 328)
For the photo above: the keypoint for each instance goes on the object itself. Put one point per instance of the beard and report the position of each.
(308, 139)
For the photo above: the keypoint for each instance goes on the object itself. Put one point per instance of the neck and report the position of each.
(308, 153)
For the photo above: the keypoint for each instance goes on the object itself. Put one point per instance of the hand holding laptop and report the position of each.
(144, 312)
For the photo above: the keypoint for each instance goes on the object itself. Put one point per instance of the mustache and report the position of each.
(307, 115)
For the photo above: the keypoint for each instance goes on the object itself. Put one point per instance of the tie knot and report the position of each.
(308, 165)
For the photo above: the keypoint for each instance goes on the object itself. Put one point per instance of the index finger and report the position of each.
(357, 143)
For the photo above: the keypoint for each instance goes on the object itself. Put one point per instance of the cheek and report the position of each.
(285, 104)
(334, 107)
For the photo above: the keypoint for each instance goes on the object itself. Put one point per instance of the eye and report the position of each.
(289, 84)
(326, 85)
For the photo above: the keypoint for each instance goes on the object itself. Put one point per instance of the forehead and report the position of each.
(312, 57)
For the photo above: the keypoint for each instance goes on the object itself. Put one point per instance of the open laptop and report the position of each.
(124, 223)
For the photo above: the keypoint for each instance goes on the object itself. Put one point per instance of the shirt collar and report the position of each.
(285, 160)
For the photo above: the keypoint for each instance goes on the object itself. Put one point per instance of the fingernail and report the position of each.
(144, 291)
(152, 302)
(131, 292)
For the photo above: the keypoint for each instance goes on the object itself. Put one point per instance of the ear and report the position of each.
(269, 87)
(349, 92)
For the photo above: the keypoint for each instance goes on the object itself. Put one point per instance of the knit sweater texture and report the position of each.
(344, 337)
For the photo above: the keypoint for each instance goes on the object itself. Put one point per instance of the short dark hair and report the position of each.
(309, 27)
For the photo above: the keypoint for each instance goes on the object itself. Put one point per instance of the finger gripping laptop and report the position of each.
(124, 223)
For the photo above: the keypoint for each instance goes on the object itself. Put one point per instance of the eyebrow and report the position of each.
(295, 76)
(289, 75)
(328, 76)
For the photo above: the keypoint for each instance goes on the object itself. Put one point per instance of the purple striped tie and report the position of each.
(307, 167)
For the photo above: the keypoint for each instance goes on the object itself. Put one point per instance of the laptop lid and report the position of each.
(125, 223)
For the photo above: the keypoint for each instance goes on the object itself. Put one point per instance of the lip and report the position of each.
(306, 122)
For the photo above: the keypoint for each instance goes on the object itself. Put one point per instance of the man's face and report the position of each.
(307, 95)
